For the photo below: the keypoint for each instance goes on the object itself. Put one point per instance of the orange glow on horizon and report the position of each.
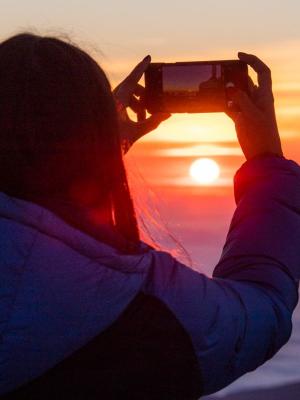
(165, 155)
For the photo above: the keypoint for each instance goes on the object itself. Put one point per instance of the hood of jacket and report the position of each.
(59, 288)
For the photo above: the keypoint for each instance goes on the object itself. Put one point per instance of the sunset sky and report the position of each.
(120, 33)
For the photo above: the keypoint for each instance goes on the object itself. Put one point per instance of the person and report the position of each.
(87, 309)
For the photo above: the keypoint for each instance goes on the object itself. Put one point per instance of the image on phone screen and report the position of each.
(191, 80)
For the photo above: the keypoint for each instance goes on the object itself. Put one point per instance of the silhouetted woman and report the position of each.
(88, 310)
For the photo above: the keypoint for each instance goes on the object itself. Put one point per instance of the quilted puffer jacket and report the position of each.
(75, 311)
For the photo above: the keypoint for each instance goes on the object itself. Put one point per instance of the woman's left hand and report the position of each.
(130, 94)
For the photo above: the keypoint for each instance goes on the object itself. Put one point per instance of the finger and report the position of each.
(151, 123)
(138, 107)
(137, 72)
(231, 114)
(262, 70)
(251, 85)
(141, 115)
(231, 111)
(135, 104)
(235, 116)
(242, 100)
(139, 90)
(252, 90)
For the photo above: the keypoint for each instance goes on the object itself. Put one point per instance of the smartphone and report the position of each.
(193, 87)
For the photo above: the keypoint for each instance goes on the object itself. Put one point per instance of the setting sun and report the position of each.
(204, 170)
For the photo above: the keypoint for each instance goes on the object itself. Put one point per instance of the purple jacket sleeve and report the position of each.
(242, 316)
(260, 261)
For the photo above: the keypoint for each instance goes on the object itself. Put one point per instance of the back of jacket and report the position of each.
(60, 288)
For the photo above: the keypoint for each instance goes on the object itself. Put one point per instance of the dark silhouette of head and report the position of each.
(59, 133)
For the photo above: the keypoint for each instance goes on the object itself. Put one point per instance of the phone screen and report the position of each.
(193, 87)
(191, 80)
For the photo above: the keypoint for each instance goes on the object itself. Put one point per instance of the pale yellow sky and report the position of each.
(120, 33)
(128, 30)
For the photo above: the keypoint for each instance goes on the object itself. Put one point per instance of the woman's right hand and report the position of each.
(255, 123)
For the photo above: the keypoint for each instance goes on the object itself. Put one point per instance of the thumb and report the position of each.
(151, 123)
(243, 101)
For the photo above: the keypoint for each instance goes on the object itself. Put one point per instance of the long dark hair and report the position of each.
(59, 126)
